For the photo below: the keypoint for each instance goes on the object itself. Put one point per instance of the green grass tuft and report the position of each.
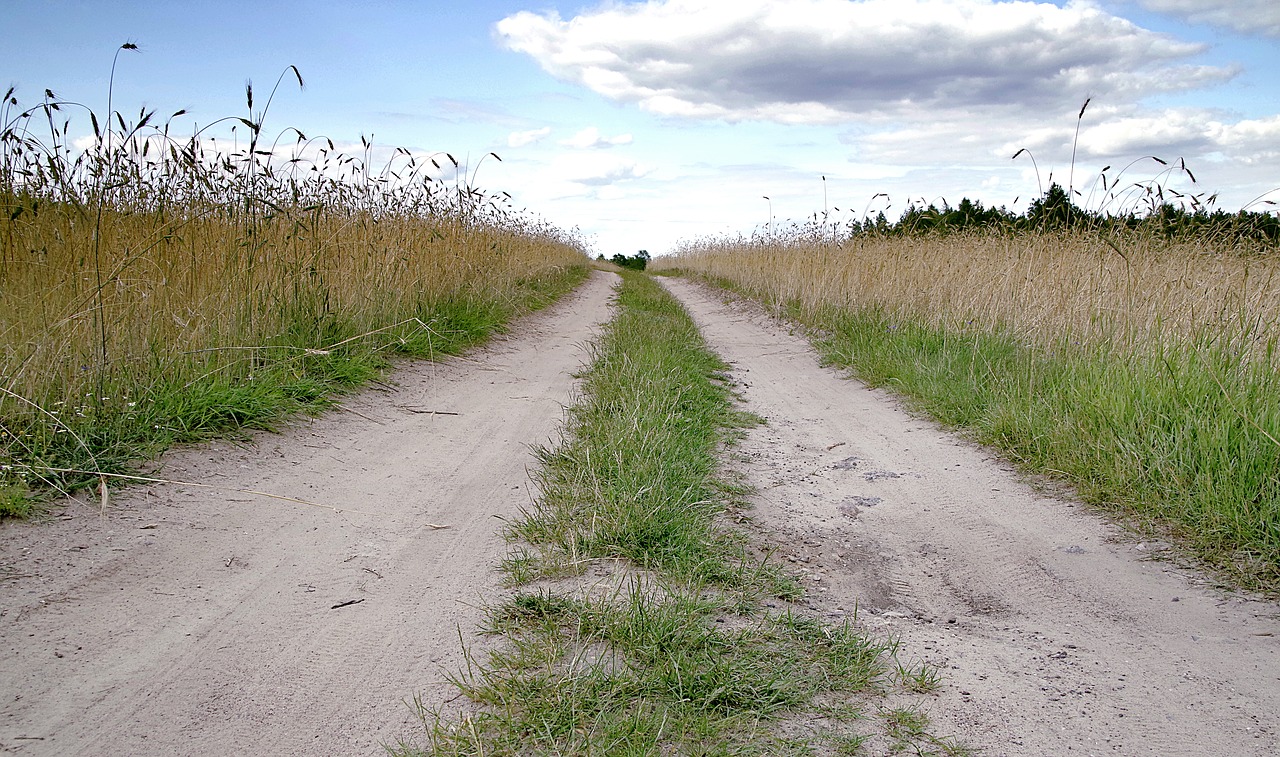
(15, 502)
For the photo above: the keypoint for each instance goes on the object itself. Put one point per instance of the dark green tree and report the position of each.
(1054, 211)
(637, 262)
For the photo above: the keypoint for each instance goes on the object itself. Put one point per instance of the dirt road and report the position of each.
(1056, 633)
(198, 621)
(212, 622)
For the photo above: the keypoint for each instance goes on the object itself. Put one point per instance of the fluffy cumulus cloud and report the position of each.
(1260, 17)
(591, 137)
(832, 61)
(1255, 141)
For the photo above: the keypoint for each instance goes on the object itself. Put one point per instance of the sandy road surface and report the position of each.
(1055, 634)
(194, 621)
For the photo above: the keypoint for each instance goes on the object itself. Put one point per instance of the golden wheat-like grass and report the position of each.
(1042, 288)
(149, 254)
(201, 287)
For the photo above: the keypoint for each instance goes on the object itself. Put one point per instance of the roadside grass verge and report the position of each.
(156, 289)
(639, 621)
(1148, 383)
(68, 445)
(1177, 442)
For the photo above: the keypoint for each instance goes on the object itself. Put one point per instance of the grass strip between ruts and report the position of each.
(675, 650)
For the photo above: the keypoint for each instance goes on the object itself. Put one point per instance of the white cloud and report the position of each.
(827, 61)
(1260, 17)
(610, 193)
(607, 174)
(590, 137)
(1169, 132)
(1255, 141)
(524, 138)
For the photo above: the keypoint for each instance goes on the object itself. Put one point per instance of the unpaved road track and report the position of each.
(1054, 632)
(200, 622)
(194, 621)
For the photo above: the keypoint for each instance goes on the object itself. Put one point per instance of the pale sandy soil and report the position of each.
(193, 621)
(197, 621)
(1056, 633)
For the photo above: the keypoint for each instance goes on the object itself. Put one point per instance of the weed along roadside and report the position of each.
(640, 620)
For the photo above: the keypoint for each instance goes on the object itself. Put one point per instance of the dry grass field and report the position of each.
(155, 287)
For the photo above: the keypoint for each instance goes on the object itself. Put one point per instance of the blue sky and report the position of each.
(644, 124)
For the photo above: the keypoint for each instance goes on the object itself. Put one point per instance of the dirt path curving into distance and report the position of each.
(1056, 633)
(207, 622)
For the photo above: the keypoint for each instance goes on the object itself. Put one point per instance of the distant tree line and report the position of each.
(1056, 212)
(636, 262)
